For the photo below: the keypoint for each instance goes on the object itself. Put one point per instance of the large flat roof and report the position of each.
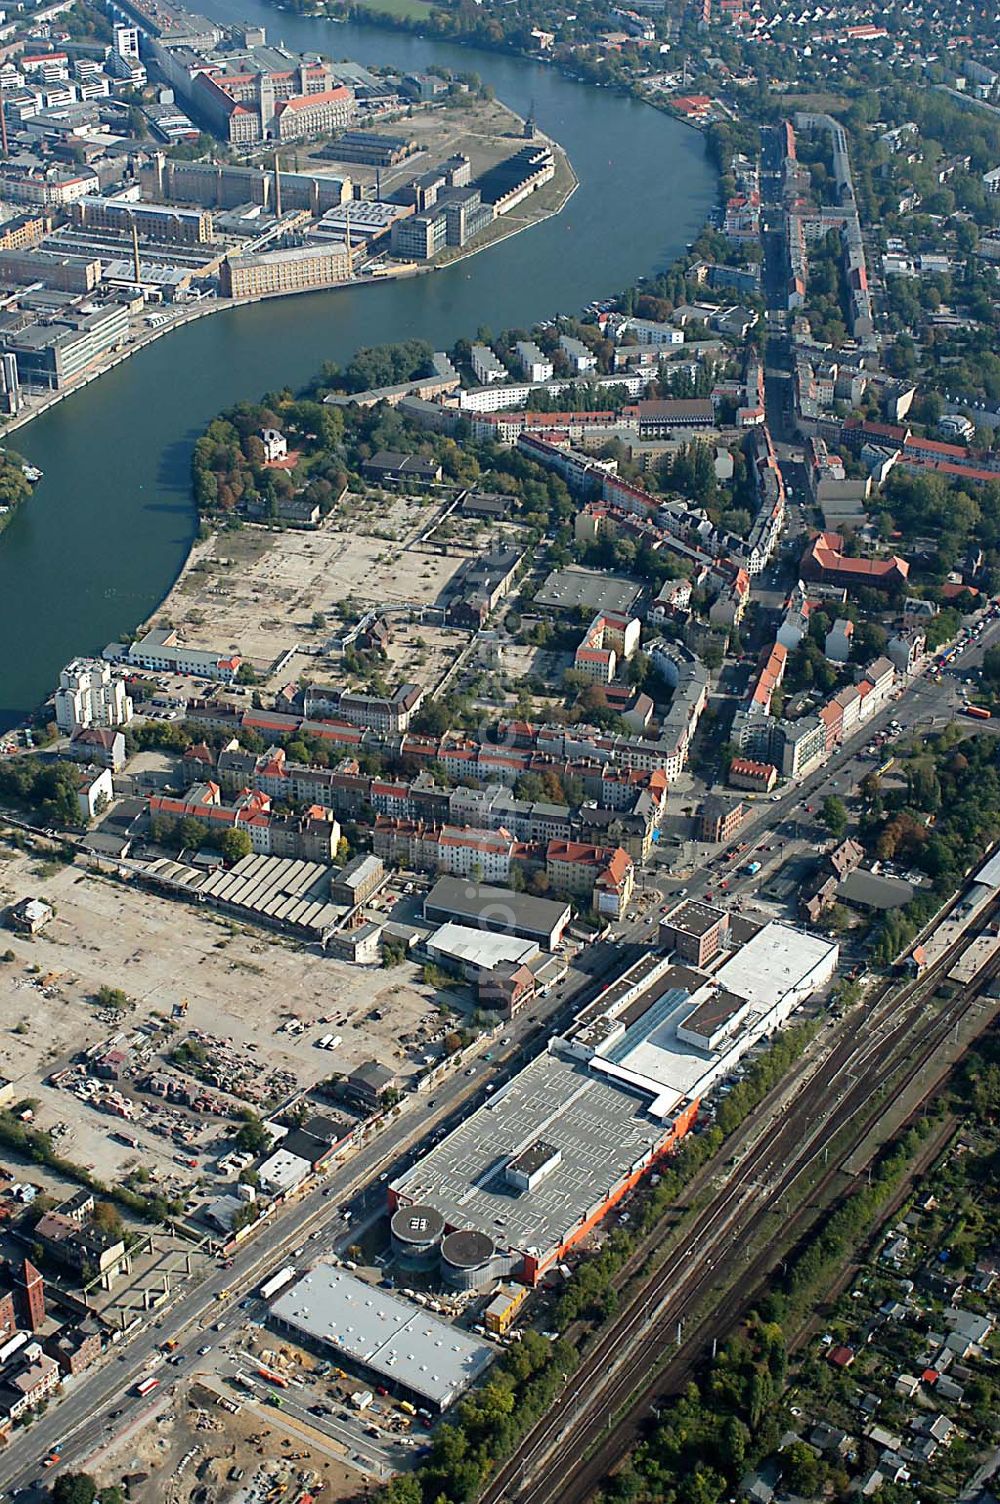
(494, 908)
(397, 1341)
(573, 588)
(691, 917)
(777, 960)
(462, 942)
(602, 1131)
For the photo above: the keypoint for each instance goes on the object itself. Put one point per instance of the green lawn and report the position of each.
(405, 10)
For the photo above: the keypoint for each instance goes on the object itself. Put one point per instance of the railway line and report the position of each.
(579, 1440)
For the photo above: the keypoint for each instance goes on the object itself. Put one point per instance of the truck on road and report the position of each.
(277, 1282)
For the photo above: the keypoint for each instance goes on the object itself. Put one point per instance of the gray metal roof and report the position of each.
(398, 1342)
(601, 1130)
(493, 908)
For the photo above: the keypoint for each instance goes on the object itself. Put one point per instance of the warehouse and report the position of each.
(543, 1161)
(282, 892)
(539, 1164)
(474, 951)
(401, 1346)
(497, 909)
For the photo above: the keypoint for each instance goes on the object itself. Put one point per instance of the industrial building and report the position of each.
(165, 223)
(500, 909)
(401, 1346)
(475, 950)
(301, 269)
(370, 148)
(78, 274)
(63, 345)
(284, 892)
(545, 1158)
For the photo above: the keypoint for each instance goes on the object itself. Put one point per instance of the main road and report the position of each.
(102, 1401)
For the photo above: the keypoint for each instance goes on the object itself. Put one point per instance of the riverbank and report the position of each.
(547, 202)
(113, 520)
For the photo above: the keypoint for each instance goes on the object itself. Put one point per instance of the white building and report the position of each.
(535, 364)
(649, 332)
(88, 695)
(494, 399)
(275, 444)
(954, 426)
(486, 367)
(95, 793)
(160, 651)
(580, 358)
(127, 42)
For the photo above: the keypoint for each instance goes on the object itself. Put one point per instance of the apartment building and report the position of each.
(720, 819)
(26, 1381)
(582, 360)
(486, 367)
(610, 639)
(604, 874)
(535, 365)
(758, 777)
(90, 695)
(313, 836)
(379, 713)
(484, 855)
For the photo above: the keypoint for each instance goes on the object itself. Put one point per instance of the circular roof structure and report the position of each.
(468, 1249)
(419, 1224)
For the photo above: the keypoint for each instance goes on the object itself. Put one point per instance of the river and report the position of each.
(97, 547)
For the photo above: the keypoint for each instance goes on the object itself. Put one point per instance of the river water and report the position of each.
(98, 546)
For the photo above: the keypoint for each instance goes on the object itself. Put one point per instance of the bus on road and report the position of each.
(146, 1386)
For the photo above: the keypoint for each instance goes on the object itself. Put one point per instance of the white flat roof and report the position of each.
(776, 961)
(481, 947)
(399, 1342)
(283, 1170)
(779, 965)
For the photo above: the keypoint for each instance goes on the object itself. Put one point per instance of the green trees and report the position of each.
(252, 1137)
(234, 844)
(74, 1488)
(834, 816)
(385, 365)
(48, 788)
(113, 997)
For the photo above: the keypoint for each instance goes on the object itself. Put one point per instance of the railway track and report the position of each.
(579, 1440)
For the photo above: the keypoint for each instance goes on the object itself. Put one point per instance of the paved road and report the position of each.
(923, 704)
(81, 1422)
